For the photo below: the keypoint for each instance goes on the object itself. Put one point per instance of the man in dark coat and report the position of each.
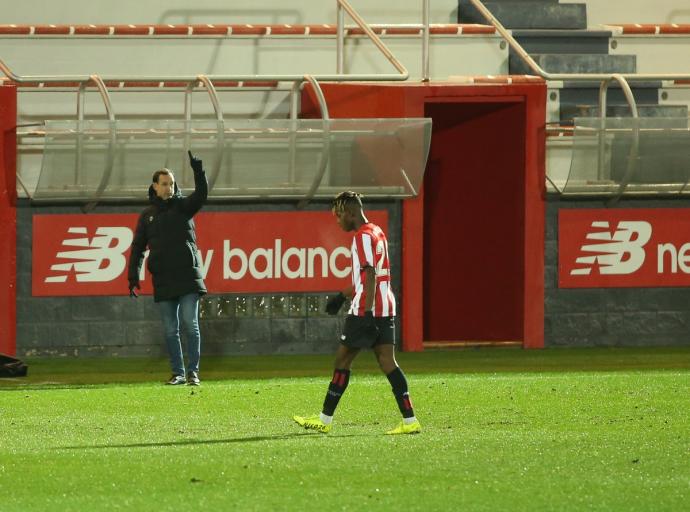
(167, 228)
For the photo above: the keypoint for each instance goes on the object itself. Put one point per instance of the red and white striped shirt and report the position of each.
(370, 249)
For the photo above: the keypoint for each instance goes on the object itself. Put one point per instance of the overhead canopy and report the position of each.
(267, 159)
(626, 156)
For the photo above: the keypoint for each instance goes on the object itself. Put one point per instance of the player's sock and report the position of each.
(326, 420)
(336, 389)
(399, 385)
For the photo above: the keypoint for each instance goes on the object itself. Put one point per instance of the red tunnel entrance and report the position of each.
(474, 223)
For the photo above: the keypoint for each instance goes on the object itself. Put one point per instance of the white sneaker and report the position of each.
(176, 380)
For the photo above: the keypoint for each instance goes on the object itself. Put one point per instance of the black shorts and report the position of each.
(359, 333)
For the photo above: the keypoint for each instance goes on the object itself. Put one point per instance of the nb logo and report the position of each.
(99, 259)
(615, 254)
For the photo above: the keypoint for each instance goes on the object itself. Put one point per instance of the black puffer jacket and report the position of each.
(167, 228)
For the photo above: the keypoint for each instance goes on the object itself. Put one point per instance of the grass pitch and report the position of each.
(595, 429)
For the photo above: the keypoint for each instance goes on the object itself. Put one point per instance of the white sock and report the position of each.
(326, 420)
(407, 421)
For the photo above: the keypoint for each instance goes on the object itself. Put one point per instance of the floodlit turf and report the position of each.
(611, 435)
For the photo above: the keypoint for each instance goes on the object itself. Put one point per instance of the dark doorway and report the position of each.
(474, 222)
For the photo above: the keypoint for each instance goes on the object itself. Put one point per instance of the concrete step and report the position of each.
(564, 41)
(587, 93)
(528, 14)
(576, 63)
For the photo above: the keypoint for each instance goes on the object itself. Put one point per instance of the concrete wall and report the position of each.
(230, 324)
(611, 316)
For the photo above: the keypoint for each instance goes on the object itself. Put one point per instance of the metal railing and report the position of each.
(207, 81)
(605, 78)
(343, 7)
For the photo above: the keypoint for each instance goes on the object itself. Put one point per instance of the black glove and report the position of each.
(370, 323)
(335, 303)
(132, 291)
(195, 163)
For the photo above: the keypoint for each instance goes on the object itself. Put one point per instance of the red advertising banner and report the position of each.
(624, 248)
(240, 252)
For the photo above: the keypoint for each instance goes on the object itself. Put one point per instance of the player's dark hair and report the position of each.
(347, 200)
(157, 174)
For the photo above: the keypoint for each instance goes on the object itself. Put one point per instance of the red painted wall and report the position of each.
(8, 220)
(411, 100)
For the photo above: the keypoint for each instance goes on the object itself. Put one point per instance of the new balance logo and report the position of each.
(618, 253)
(99, 259)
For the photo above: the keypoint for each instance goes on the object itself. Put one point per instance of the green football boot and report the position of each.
(402, 428)
(313, 423)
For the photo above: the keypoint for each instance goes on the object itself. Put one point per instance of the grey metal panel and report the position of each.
(563, 41)
(577, 63)
(529, 14)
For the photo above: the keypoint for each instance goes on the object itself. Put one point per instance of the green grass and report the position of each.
(603, 429)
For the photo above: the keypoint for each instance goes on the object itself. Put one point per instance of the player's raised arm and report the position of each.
(196, 199)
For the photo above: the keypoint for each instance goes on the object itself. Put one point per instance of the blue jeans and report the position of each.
(185, 308)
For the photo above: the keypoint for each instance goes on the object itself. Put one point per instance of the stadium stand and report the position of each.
(557, 36)
(146, 59)
(221, 49)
